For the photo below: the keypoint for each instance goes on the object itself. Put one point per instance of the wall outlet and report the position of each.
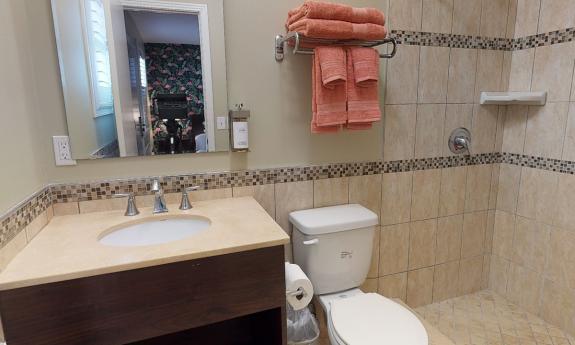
(62, 151)
(222, 122)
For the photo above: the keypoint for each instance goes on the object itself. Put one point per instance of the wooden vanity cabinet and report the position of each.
(228, 299)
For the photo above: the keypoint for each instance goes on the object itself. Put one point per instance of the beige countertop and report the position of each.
(68, 248)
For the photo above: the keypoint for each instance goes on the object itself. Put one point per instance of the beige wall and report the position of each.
(20, 171)
(534, 241)
(278, 95)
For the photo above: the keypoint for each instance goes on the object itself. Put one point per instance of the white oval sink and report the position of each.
(155, 232)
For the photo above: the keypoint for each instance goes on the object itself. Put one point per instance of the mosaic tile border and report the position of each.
(433, 39)
(16, 219)
(21, 216)
(62, 193)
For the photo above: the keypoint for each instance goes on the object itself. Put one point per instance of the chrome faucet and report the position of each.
(131, 210)
(159, 200)
(186, 204)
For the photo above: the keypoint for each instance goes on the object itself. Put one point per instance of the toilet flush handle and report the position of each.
(311, 242)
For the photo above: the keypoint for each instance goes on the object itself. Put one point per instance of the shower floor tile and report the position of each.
(485, 318)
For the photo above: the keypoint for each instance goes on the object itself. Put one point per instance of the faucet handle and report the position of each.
(186, 204)
(156, 186)
(131, 209)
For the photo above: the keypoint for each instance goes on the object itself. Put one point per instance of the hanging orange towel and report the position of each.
(331, 11)
(362, 87)
(335, 29)
(329, 89)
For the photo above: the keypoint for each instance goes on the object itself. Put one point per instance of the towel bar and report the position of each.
(297, 40)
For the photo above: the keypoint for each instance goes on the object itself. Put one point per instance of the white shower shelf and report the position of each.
(508, 98)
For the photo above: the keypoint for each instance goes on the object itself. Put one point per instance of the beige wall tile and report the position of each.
(433, 75)
(494, 189)
(429, 130)
(104, 205)
(449, 232)
(506, 73)
(393, 249)
(511, 19)
(471, 275)
(561, 258)
(64, 209)
(422, 242)
(36, 226)
(452, 191)
(330, 192)
(514, 129)
(399, 137)
(521, 70)
(508, 189)
(171, 199)
(558, 305)
(524, 288)
(11, 249)
(472, 243)
(202, 195)
(545, 130)
(425, 200)
(402, 76)
(264, 194)
(499, 131)
(462, 69)
(484, 128)
(527, 17)
(374, 266)
(50, 212)
(396, 197)
(569, 144)
(456, 115)
(369, 285)
(494, 18)
(405, 15)
(366, 191)
(489, 69)
(537, 198)
(498, 274)
(503, 233)
(486, 271)
(530, 244)
(489, 232)
(394, 286)
(292, 196)
(556, 15)
(553, 71)
(420, 287)
(466, 17)
(565, 202)
(477, 187)
(438, 16)
(445, 281)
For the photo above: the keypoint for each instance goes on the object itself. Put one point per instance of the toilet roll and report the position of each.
(299, 290)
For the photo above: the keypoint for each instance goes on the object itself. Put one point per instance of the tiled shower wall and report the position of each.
(533, 261)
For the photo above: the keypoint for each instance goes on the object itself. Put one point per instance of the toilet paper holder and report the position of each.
(299, 293)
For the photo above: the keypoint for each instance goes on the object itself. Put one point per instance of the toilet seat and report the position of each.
(370, 318)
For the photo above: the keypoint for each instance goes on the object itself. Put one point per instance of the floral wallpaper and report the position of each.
(176, 68)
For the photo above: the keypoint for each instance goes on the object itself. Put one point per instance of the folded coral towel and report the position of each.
(325, 10)
(329, 89)
(362, 87)
(334, 29)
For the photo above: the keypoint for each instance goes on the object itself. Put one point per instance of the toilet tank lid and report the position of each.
(332, 219)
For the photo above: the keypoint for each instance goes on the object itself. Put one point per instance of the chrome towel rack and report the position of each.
(298, 41)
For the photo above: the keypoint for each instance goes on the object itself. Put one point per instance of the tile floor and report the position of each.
(484, 318)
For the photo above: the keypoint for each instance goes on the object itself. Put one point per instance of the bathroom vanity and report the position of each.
(224, 285)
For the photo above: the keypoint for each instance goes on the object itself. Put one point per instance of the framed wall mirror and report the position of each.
(142, 77)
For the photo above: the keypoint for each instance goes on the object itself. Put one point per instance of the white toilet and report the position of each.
(333, 247)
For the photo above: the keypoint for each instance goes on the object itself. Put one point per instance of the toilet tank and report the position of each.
(333, 245)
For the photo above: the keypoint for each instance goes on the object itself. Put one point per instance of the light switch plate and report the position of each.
(62, 151)
(222, 122)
